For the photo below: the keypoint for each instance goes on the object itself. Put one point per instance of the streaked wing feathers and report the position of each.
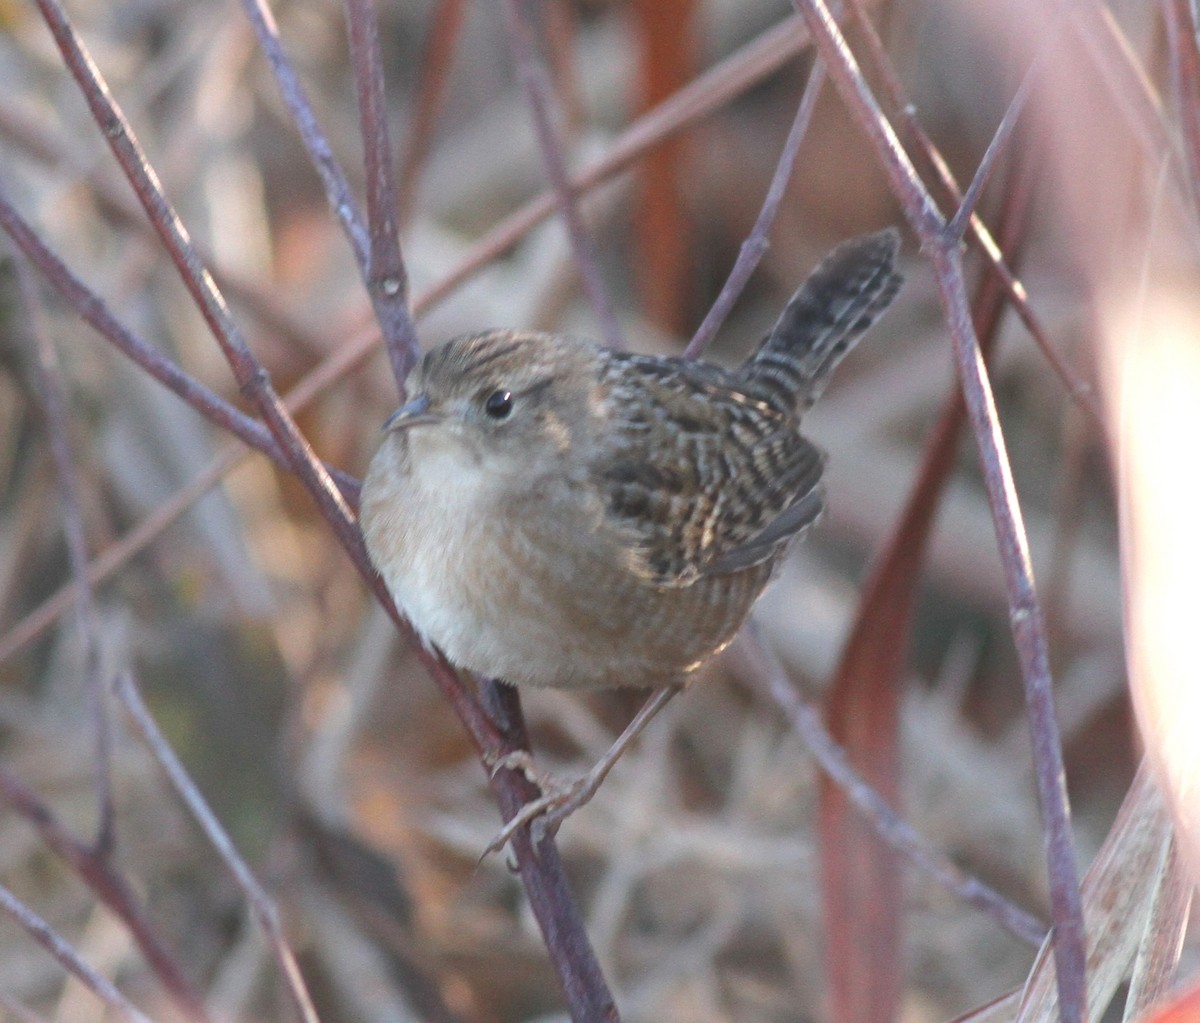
(701, 477)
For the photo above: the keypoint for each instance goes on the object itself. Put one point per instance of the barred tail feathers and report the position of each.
(841, 298)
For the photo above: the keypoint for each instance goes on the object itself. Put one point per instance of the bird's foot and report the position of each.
(522, 760)
(558, 801)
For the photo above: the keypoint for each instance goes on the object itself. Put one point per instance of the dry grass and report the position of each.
(336, 767)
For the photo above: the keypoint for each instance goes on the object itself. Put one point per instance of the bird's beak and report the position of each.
(413, 413)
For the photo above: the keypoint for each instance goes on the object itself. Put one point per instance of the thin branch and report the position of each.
(111, 888)
(1081, 392)
(69, 959)
(147, 530)
(113, 200)
(1029, 634)
(249, 374)
(95, 312)
(539, 94)
(1027, 625)
(1132, 93)
(387, 278)
(337, 189)
(557, 913)
(961, 221)
(44, 358)
(757, 243)
(842, 66)
(700, 98)
(260, 903)
(890, 826)
(861, 889)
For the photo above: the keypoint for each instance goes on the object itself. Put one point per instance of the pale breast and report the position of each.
(427, 528)
(529, 585)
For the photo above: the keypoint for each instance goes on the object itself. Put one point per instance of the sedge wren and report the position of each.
(555, 513)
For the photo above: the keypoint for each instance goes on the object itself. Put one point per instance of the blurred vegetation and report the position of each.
(332, 761)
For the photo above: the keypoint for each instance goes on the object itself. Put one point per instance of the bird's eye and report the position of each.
(498, 404)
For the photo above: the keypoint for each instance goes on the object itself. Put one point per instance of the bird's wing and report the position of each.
(699, 477)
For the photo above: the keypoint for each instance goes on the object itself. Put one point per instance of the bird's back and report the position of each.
(706, 468)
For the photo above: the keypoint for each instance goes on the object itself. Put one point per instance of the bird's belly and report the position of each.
(547, 617)
(519, 607)
(541, 599)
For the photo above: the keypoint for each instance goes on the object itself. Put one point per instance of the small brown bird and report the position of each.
(554, 513)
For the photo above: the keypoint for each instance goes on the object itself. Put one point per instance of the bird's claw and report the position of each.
(545, 814)
(521, 760)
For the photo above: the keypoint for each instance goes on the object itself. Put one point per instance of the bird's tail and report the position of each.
(840, 299)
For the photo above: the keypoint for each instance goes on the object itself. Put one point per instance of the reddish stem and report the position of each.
(1026, 619)
(386, 277)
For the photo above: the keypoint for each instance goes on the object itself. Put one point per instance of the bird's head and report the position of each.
(515, 398)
